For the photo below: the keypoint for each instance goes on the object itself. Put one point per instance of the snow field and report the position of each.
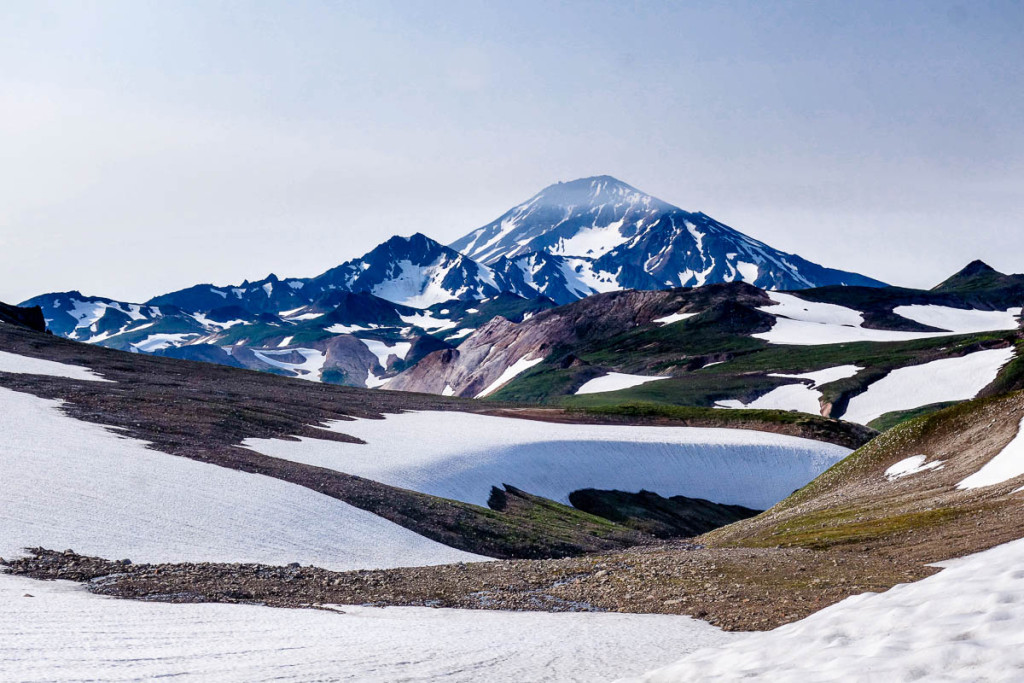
(948, 379)
(802, 323)
(1008, 464)
(614, 381)
(25, 365)
(962, 624)
(461, 456)
(63, 633)
(959, 320)
(72, 484)
(799, 397)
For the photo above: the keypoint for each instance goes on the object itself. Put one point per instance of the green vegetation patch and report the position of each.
(831, 528)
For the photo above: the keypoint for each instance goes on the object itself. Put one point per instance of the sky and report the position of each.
(149, 146)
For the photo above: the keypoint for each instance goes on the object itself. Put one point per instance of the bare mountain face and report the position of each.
(600, 234)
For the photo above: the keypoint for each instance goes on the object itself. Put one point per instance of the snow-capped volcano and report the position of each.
(608, 235)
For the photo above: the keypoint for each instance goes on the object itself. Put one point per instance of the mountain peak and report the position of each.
(977, 267)
(975, 274)
(610, 235)
(586, 192)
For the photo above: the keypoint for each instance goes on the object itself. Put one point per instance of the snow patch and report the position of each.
(615, 381)
(308, 369)
(24, 365)
(517, 368)
(799, 397)
(912, 465)
(948, 379)
(155, 342)
(803, 323)
(383, 350)
(674, 318)
(1008, 464)
(960, 321)
(65, 634)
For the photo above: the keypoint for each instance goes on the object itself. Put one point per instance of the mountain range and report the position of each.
(358, 322)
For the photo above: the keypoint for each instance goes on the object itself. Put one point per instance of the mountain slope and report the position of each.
(622, 238)
(835, 351)
(413, 271)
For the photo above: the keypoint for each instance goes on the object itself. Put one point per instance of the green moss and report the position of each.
(830, 528)
(890, 420)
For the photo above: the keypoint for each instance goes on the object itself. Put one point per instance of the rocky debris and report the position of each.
(736, 589)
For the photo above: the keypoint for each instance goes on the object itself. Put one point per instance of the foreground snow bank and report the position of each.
(66, 634)
(71, 484)
(461, 456)
(963, 624)
(13, 362)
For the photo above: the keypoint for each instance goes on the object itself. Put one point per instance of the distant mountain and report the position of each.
(414, 271)
(372, 317)
(607, 235)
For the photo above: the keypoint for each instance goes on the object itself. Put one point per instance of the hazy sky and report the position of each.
(147, 146)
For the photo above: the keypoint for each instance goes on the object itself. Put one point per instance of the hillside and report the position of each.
(241, 420)
(870, 355)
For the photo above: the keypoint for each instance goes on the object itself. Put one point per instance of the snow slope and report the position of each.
(461, 456)
(801, 322)
(510, 373)
(72, 484)
(614, 381)
(962, 624)
(1008, 464)
(960, 320)
(63, 633)
(949, 379)
(16, 363)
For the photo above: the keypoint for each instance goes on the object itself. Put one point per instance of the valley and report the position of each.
(436, 437)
